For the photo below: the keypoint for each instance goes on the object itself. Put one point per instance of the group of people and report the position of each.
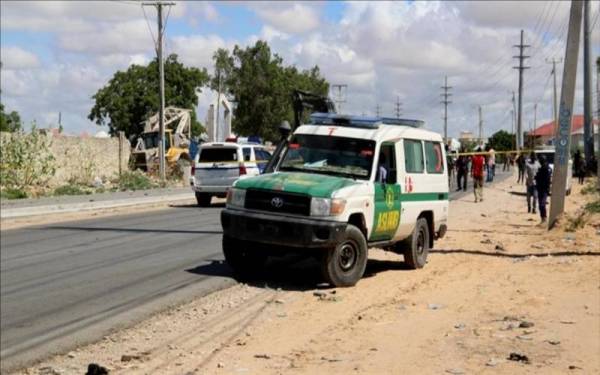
(478, 167)
(538, 177)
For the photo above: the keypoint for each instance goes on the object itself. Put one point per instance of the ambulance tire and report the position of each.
(245, 263)
(345, 264)
(203, 199)
(415, 254)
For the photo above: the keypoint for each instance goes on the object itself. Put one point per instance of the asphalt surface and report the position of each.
(67, 284)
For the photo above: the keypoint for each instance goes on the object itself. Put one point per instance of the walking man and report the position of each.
(542, 184)
(461, 173)
(491, 165)
(477, 174)
(531, 169)
(521, 167)
(579, 166)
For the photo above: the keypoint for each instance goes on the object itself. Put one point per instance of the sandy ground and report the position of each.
(537, 296)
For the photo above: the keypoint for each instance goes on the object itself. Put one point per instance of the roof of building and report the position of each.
(547, 129)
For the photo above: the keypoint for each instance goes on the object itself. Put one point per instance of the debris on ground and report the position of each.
(526, 324)
(493, 362)
(130, 357)
(263, 356)
(518, 357)
(500, 247)
(434, 306)
(96, 369)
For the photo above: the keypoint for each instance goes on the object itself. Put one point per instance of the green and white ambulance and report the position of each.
(344, 184)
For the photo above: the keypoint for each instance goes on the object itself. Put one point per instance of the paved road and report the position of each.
(66, 284)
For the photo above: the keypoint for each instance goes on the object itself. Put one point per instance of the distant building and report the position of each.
(544, 134)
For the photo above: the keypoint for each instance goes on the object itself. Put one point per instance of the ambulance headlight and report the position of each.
(236, 197)
(327, 207)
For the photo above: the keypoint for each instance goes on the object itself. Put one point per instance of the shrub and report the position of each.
(70, 189)
(11, 193)
(593, 207)
(25, 160)
(134, 180)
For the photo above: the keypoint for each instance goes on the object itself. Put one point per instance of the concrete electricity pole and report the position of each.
(161, 76)
(445, 95)
(339, 97)
(480, 127)
(567, 96)
(377, 110)
(532, 128)
(555, 102)
(588, 133)
(521, 68)
(398, 107)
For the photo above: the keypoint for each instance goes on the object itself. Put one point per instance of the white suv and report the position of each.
(219, 164)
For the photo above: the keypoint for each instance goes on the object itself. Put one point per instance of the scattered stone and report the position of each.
(530, 219)
(573, 367)
(319, 294)
(373, 349)
(570, 237)
(526, 324)
(536, 246)
(129, 357)
(71, 355)
(220, 365)
(359, 317)
(493, 362)
(263, 356)
(281, 315)
(567, 321)
(279, 301)
(434, 306)
(455, 371)
(518, 357)
(510, 318)
(553, 342)
(331, 359)
(509, 327)
(96, 369)
(525, 338)
(460, 326)
(487, 241)
(500, 247)
(48, 370)
(483, 215)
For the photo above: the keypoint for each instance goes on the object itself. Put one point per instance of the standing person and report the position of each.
(579, 166)
(491, 165)
(521, 167)
(477, 173)
(542, 184)
(461, 173)
(531, 169)
(450, 164)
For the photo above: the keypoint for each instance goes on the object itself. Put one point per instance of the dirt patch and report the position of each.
(500, 294)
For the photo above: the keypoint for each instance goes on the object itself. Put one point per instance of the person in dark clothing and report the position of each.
(521, 166)
(543, 179)
(579, 166)
(462, 172)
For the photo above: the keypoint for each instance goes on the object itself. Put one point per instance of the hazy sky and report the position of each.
(56, 55)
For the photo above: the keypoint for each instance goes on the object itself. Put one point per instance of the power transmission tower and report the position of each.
(161, 75)
(398, 107)
(480, 127)
(588, 134)
(521, 68)
(555, 101)
(339, 97)
(446, 95)
(377, 110)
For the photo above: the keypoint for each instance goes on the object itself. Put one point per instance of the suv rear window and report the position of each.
(212, 155)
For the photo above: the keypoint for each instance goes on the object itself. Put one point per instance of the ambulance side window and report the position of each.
(433, 156)
(413, 156)
(387, 161)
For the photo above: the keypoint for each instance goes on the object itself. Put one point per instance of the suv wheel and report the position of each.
(415, 254)
(246, 263)
(345, 264)
(203, 199)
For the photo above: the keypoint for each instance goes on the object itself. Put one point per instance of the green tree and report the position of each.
(9, 122)
(501, 141)
(262, 88)
(130, 97)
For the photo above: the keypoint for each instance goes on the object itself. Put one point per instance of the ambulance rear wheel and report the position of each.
(345, 264)
(415, 254)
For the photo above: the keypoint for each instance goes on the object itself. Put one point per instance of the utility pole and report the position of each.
(480, 127)
(521, 68)
(398, 107)
(161, 75)
(445, 95)
(377, 110)
(532, 128)
(588, 134)
(567, 96)
(555, 102)
(339, 98)
(512, 127)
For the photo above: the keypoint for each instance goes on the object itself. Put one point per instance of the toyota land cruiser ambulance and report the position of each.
(343, 184)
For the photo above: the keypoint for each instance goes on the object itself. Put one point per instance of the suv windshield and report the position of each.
(348, 157)
(151, 140)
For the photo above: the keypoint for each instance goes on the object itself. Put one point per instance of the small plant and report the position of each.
(593, 207)
(134, 180)
(70, 189)
(12, 193)
(589, 188)
(575, 222)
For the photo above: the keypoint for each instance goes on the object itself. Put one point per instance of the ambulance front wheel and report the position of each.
(345, 264)
(416, 246)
